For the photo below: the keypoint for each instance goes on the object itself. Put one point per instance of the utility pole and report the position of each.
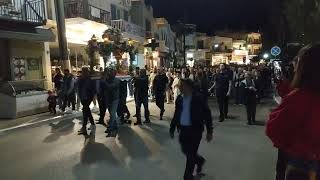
(62, 39)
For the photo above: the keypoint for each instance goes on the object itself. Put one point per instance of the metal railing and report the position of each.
(125, 26)
(23, 10)
(74, 9)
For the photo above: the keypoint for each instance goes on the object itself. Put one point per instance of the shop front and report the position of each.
(25, 72)
(218, 58)
(240, 56)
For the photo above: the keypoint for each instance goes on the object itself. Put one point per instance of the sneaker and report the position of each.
(82, 131)
(101, 122)
(92, 127)
(147, 122)
(127, 116)
(200, 166)
(137, 123)
(112, 134)
(221, 119)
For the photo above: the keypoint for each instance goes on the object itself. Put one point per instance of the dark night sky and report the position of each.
(211, 15)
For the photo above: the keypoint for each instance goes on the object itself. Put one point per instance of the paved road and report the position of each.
(53, 151)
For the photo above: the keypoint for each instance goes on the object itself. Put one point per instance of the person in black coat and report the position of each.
(86, 89)
(222, 85)
(101, 99)
(122, 107)
(250, 96)
(191, 114)
(160, 84)
(142, 87)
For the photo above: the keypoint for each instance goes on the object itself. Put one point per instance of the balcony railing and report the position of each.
(23, 10)
(127, 27)
(74, 9)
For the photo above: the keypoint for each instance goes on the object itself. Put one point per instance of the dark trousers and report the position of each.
(145, 102)
(160, 100)
(223, 102)
(282, 163)
(86, 113)
(52, 108)
(251, 112)
(122, 109)
(102, 108)
(67, 99)
(239, 95)
(190, 141)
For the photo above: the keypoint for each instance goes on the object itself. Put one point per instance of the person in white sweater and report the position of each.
(176, 86)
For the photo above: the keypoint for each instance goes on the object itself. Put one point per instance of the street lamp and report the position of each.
(216, 45)
(266, 56)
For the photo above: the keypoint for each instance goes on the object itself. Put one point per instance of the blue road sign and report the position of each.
(275, 51)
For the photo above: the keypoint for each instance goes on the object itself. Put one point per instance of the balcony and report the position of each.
(254, 41)
(32, 11)
(127, 27)
(76, 9)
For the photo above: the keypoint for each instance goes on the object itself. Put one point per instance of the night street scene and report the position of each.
(159, 89)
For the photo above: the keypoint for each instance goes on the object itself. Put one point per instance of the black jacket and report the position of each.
(160, 83)
(200, 114)
(141, 85)
(86, 88)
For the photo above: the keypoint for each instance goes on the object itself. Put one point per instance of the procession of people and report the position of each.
(189, 89)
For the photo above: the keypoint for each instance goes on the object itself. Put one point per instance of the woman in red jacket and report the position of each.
(294, 127)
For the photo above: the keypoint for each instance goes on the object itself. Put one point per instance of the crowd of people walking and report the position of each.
(187, 88)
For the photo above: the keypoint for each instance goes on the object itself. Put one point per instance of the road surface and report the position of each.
(53, 150)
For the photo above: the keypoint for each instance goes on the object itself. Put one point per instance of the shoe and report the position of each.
(200, 166)
(221, 119)
(112, 134)
(161, 114)
(92, 127)
(82, 131)
(137, 123)
(134, 115)
(147, 122)
(128, 116)
(101, 122)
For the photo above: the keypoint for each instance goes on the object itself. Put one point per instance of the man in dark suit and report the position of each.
(160, 84)
(192, 113)
(142, 87)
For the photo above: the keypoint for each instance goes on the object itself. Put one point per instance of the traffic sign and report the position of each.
(276, 51)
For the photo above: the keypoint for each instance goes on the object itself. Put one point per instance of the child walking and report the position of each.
(52, 100)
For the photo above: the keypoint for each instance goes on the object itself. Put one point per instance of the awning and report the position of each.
(40, 34)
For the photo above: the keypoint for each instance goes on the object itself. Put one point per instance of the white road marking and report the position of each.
(28, 124)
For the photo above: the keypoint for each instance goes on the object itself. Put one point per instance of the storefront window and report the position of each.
(27, 68)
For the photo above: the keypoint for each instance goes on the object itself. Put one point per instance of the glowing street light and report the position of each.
(216, 45)
(266, 56)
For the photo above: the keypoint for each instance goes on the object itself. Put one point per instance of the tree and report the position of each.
(303, 17)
